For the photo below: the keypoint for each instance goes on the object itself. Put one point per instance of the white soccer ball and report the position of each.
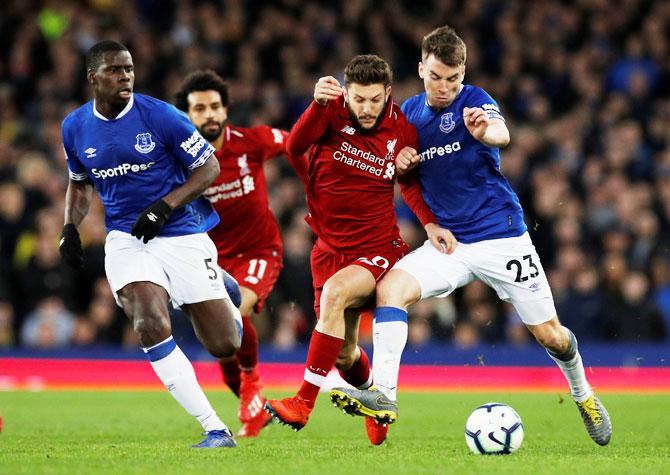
(494, 428)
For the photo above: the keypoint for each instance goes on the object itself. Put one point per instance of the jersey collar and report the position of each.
(121, 114)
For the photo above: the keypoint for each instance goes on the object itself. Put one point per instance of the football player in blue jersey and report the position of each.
(150, 165)
(480, 232)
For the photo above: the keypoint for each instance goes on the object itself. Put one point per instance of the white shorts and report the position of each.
(185, 266)
(510, 266)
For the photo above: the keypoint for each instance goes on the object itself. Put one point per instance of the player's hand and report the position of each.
(441, 238)
(406, 159)
(476, 120)
(70, 247)
(327, 89)
(151, 220)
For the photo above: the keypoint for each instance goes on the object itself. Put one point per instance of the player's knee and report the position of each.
(150, 329)
(394, 291)
(333, 297)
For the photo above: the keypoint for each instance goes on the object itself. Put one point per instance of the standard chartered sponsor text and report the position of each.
(344, 155)
(224, 191)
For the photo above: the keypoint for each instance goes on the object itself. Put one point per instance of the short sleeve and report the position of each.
(182, 138)
(483, 100)
(272, 141)
(75, 168)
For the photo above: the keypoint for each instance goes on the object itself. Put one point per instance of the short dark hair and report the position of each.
(95, 52)
(202, 80)
(446, 45)
(368, 69)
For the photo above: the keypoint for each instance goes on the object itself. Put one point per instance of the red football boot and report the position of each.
(251, 399)
(376, 431)
(291, 411)
(253, 427)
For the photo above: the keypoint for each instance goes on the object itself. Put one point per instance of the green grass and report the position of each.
(146, 432)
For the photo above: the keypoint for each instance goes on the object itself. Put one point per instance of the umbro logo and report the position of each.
(152, 217)
(90, 152)
(347, 129)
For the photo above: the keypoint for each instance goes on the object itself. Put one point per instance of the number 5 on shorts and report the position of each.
(212, 271)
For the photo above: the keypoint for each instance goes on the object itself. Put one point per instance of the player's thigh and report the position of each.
(512, 267)
(436, 273)
(127, 262)
(191, 265)
(351, 286)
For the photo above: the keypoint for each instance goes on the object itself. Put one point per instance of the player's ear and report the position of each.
(421, 69)
(387, 93)
(90, 76)
(225, 113)
(345, 95)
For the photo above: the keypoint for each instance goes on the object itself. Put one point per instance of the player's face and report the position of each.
(366, 104)
(207, 113)
(441, 81)
(114, 79)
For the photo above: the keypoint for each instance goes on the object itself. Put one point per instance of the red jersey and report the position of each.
(351, 174)
(239, 194)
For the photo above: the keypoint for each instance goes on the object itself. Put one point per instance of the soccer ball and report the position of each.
(494, 428)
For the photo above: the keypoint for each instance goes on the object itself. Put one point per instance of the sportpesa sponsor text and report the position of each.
(429, 153)
(122, 169)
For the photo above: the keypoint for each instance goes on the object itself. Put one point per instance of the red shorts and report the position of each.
(326, 261)
(256, 270)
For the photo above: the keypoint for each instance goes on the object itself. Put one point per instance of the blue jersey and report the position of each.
(136, 159)
(460, 177)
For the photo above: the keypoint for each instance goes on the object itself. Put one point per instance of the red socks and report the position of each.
(247, 355)
(321, 356)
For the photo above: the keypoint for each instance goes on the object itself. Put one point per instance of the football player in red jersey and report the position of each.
(251, 254)
(352, 135)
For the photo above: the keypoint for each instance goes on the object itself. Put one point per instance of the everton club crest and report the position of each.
(144, 143)
(447, 122)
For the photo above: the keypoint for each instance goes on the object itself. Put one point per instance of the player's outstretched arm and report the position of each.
(492, 132)
(77, 203)
(151, 220)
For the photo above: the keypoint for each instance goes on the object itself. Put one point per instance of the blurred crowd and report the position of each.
(584, 87)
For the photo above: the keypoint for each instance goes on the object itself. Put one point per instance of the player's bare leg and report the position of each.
(145, 304)
(561, 346)
(395, 292)
(350, 287)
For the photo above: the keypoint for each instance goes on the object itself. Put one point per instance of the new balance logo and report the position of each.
(347, 129)
(152, 217)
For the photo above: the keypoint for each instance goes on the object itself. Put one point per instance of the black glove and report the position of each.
(70, 247)
(150, 221)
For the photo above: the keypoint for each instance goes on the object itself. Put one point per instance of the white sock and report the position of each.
(177, 374)
(389, 335)
(573, 369)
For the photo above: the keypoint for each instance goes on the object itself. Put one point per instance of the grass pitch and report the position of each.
(147, 432)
